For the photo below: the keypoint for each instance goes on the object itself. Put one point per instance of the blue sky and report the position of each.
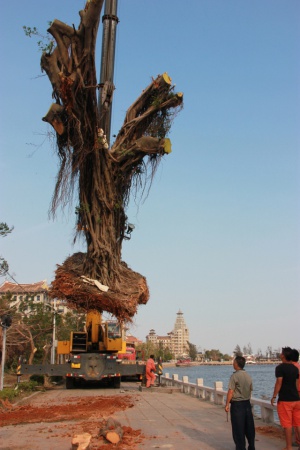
(218, 235)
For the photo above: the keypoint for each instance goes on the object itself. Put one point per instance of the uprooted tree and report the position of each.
(105, 175)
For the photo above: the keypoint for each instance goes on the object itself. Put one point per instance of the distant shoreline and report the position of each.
(221, 363)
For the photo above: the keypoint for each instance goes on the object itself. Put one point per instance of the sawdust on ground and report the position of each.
(88, 413)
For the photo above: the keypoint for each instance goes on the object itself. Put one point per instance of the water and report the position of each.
(263, 376)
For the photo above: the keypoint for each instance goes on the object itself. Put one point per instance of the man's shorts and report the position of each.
(289, 414)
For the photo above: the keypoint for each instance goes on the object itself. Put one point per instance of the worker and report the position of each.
(159, 369)
(150, 371)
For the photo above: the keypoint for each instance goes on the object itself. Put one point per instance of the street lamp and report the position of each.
(52, 360)
(53, 308)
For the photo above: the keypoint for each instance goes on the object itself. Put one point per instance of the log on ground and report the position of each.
(112, 431)
(81, 441)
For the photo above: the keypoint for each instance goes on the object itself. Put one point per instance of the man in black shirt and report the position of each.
(288, 406)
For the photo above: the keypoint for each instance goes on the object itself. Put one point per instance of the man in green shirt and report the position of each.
(238, 396)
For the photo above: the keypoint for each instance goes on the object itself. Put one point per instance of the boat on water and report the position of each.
(183, 363)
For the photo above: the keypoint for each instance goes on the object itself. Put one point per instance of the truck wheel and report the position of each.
(70, 383)
(117, 382)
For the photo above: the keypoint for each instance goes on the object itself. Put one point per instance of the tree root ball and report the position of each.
(121, 300)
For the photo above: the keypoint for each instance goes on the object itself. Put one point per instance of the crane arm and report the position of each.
(110, 21)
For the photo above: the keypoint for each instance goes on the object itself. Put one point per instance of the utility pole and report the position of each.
(5, 323)
(53, 333)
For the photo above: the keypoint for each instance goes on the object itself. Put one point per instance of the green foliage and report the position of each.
(162, 352)
(19, 389)
(237, 351)
(38, 317)
(84, 207)
(8, 394)
(192, 351)
(28, 386)
(46, 43)
(214, 355)
(4, 231)
(159, 351)
(40, 320)
(71, 321)
(146, 349)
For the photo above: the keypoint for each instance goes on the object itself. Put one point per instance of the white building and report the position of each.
(180, 337)
(37, 292)
(177, 340)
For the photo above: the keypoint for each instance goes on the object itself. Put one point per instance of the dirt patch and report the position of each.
(88, 415)
(75, 408)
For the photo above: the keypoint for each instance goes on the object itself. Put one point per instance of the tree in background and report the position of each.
(106, 176)
(70, 321)
(4, 231)
(269, 352)
(237, 351)
(213, 355)
(148, 348)
(162, 352)
(19, 340)
(192, 351)
(31, 333)
(145, 349)
(247, 349)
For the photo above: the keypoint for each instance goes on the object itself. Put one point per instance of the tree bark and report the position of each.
(112, 431)
(105, 176)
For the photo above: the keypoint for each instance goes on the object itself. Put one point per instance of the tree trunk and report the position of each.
(33, 349)
(105, 176)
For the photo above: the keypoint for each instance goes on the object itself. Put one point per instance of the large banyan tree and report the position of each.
(105, 175)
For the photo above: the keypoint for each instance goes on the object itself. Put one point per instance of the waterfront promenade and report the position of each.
(175, 421)
(181, 422)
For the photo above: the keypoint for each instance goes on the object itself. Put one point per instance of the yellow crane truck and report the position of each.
(91, 355)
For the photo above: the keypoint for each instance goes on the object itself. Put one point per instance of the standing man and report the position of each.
(238, 396)
(150, 371)
(295, 361)
(288, 405)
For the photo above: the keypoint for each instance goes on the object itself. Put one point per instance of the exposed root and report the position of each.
(122, 302)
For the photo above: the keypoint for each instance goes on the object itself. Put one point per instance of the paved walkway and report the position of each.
(173, 421)
(181, 422)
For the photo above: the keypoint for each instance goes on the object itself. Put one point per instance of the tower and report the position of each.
(180, 336)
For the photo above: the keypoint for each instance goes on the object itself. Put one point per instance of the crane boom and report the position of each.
(110, 21)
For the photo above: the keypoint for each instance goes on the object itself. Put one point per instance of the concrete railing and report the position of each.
(216, 394)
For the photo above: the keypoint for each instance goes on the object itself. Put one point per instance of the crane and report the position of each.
(106, 86)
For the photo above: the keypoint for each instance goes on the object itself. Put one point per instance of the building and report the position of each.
(132, 341)
(180, 337)
(176, 340)
(165, 341)
(37, 292)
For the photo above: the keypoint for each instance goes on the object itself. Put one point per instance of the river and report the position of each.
(263, 376)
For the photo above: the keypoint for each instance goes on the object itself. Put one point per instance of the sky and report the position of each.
(218, 235)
